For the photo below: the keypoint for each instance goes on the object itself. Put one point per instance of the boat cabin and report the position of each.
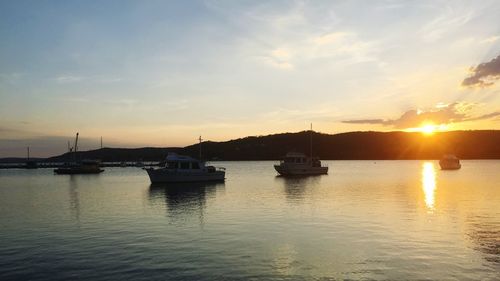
(300, 158)
(175, 161)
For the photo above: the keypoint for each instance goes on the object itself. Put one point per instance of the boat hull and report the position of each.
(171, 176)
(450, 167)
(300, 171)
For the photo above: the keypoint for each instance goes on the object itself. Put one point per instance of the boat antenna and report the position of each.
(311, 141)
(76, 142)
(200, 139)
(28, 148)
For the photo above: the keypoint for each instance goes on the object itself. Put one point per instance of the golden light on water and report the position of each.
(429, 183)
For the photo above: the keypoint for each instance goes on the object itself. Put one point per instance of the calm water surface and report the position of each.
(365, 220)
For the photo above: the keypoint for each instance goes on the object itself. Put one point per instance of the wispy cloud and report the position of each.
(451, 19)
(10, 77)
(442, 114)
(484, 74)
(66, 79)
(485, 116)
(343, 47)
(279, 58)
(491, 39)
(106, 80)
(291, 36)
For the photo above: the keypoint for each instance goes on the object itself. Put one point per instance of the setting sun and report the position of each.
(428, 129)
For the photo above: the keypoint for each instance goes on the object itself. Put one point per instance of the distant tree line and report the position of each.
(484, 144)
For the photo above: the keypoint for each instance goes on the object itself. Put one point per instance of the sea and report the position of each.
(365, 220)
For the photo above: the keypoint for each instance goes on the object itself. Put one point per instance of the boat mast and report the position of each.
(311, 142)
(28, 148)
(200, 146)
(76, 142)
(76, 145)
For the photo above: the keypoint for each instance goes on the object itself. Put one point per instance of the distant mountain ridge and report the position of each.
(19, 159)
(480, 144)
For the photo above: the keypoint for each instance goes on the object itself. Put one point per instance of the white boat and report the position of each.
(298, 164)
(180, 168)
(450, 162)
(295, 164)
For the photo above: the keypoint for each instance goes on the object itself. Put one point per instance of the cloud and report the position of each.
(485, 116)
(11, 77)
(365, 121)
(64, 79)
(440, 115)
(453, 18)
(330, 38)
(68, 79)
(490, 39)
(279, 58)
(484, 74)
(343, 47)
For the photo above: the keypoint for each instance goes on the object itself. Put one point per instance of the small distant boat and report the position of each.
(83, 167)
(30, 164)
(179, 168)
(296, 164)
(79, 167)
(450, 162)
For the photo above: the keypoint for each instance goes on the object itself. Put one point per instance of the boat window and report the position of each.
(172, 165)
(184, 165)
(195, 165)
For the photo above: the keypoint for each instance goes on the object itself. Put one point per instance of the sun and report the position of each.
(428, 129)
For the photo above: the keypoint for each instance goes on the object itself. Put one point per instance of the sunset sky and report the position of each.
(161, 73)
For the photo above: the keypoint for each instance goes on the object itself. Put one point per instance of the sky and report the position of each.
(162, 73)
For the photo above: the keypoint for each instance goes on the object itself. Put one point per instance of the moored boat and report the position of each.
(30, 164)
(179, 168)
(298, 164)
(449, 162)
(83, 167)
(79, 167)
(295, 164)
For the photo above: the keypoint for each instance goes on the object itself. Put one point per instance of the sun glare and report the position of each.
(428, 129)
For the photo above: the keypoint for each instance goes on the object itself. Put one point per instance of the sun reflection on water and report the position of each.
(429, 183)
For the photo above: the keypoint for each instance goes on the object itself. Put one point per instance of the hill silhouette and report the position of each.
(481, 144)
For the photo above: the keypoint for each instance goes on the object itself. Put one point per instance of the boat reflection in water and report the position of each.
(298, 187)
(183, 198)
(429, 184)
